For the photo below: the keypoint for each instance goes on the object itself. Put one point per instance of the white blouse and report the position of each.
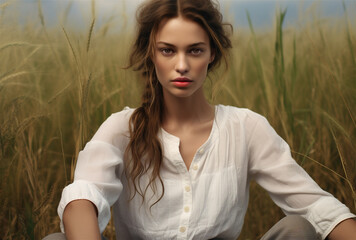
(210, 199)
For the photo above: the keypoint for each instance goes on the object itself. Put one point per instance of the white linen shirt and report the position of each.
(210, 198)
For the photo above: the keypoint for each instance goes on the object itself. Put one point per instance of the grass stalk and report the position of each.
(348, 34)
(257, 60)
(279, 69)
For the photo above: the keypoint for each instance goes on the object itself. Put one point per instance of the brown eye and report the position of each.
(166, 51)
(196, 51)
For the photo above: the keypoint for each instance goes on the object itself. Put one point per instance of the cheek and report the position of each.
(202, 67)
(161, 66)
(159, 69)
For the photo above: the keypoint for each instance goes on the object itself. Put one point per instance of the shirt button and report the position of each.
(201, 150)
(195, 167)
(187, 188)
(186, 209)
(182, 229)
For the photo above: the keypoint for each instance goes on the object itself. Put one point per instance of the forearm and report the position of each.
(80, 221)
(346, 230)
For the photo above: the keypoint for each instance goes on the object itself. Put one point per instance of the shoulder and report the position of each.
(121, 116)
(255, 128)
(244, 123)
(115, 129)
(235, 116)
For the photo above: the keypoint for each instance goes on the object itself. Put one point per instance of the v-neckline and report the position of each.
(176, 140)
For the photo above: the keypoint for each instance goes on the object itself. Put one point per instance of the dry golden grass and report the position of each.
(57, 86)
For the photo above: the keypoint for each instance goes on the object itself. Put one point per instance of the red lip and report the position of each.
(181, 79)
(181, 82)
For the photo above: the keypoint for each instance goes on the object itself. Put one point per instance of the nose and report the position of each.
(182, 64)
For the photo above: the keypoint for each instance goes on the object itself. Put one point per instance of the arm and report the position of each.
(289, 186)
(96, 178)
(80, 221)
(346, 230)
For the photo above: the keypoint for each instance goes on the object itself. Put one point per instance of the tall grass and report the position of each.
(58, 85)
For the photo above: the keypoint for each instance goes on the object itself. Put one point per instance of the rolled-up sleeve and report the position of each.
(290, 187)
(96, 179)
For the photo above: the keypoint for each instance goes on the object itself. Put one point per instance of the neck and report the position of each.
(187, 110)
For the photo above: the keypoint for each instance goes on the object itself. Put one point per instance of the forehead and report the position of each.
(180, 32)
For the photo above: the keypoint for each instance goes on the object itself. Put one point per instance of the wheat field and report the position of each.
(57, 85)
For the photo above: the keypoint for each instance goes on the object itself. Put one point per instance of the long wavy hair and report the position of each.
(144, 153)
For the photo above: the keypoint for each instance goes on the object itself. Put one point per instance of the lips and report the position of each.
(181, 82)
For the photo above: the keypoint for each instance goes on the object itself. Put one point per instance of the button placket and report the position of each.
(187, 203)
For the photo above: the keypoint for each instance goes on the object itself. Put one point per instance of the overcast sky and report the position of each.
(262, 12)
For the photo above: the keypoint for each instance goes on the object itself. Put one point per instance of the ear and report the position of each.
(212, 56)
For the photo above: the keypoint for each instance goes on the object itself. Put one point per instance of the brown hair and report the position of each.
(144, 152)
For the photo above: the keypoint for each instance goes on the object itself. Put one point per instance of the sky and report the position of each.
(121, 12)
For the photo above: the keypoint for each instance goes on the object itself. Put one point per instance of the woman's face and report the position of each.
(182, 56)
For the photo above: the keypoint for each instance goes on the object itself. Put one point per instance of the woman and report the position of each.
(178, 167)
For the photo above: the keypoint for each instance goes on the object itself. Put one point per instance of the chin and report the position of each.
(181, 93)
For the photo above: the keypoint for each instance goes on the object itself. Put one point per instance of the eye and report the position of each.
(196, 51)
(166, 51)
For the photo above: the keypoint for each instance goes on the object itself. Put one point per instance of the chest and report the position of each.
(207, 201)
(189, 145)
(200, 204)
(190, 142)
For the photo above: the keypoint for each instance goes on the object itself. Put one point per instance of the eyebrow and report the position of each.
(191, 45)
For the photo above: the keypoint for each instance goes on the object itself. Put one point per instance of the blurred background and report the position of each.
(77, 13)
(62, 74)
